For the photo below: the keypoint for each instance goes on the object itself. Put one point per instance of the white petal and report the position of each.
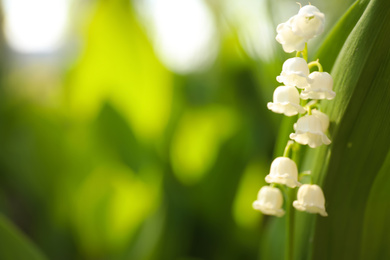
(311, 199)
(295, 72)
(289, 40)
(283, 171)
(269, 201)
(323, 118)
(286, 101)
(320, 87)
(288, 109)
(313, 140)
(309, 131)
(317, 94)
(309, 22)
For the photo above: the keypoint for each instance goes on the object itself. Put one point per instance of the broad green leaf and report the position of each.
(349, 170)
(337, 37)
(14, 245)
(376, 235)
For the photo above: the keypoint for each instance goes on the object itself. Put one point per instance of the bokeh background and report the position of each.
(139, 129)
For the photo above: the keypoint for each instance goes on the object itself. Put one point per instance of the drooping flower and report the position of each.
(283, 171)
(269, 201)
(311, 199)
(309, 22)
(295, 73)
(320, 87)
(323, 118)
(309, 130)
(286, 101)
(290, 41)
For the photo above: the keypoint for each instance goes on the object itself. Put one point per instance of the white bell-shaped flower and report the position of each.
(289, 40)
(311, 199)
(283, 171)
(309, 22)
(269, 201)
(309, 130)
(295, 72)
(286, 101)
(320, 87)
(323, 118)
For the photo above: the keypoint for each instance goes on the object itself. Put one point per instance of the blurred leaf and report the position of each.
(252, 179)
(14, 245)
(110, 205)
(119, 65)
(197, 141)
(117, 138)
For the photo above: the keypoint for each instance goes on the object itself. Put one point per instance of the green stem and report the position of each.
(316, 64)
(289, 146)
(312, 104)
(290, 219)
(306, 173)
(304, 52)
(309, 110)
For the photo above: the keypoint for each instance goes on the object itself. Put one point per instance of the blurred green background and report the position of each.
(139, 129)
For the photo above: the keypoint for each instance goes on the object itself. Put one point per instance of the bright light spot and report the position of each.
(250, 183)
(185, 35)
(197, 141)
(35, 26)
(255, 30)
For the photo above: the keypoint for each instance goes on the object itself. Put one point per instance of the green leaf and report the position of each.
(352, 170)
(14, 245)
(337, 37)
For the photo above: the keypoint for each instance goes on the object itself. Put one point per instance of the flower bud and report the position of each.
(283, 171)
(320, 87)
(311, 199)
(286, 101)
(309, 130)
(295, 73)
(309, 22)
(269, 201)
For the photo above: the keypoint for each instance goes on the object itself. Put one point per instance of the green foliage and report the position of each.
(14, 245)
(352, 170)
(138, 163)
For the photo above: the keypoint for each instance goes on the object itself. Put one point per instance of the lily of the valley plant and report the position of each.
(300, 95)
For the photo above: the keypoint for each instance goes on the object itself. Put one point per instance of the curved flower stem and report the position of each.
(316, 64)
(306, 173)
(288, 148)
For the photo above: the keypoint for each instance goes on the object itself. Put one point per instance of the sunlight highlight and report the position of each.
(184, 33)
(35, 26)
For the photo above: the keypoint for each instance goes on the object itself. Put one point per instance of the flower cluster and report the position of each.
(307, 24)
(300, 95)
